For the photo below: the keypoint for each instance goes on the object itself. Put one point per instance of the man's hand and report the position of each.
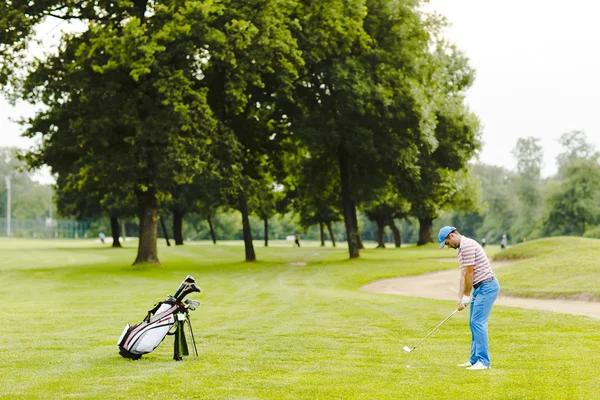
(463, 302)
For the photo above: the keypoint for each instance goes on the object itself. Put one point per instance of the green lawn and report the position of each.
(292, 326)
(553, 267)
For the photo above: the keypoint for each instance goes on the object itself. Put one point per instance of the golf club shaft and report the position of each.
(436, 328)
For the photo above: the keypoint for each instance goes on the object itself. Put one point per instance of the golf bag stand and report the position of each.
(144, 337)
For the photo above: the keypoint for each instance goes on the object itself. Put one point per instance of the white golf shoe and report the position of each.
(467, 364)
(477, 366)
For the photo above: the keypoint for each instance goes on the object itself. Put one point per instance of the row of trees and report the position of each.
(563, 204)
(265, 106)
(524, 205)
(32, 204)
(32, 201)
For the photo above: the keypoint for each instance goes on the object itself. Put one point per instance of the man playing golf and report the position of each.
(476, 276)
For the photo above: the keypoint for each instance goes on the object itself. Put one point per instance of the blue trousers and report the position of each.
(481, 306)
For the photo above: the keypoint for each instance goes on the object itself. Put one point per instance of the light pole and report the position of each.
(8, 201)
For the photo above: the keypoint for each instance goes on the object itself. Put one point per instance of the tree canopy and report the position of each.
(344, 105)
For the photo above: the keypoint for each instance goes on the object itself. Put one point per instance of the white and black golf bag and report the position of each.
(144, 337)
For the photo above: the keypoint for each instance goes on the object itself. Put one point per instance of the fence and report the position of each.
(44, 228)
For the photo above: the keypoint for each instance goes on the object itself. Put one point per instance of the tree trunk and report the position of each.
(266, 235)
(380, 232)
(178, 227)
(114, 230)
(212, 229)
(123, 231)
(330, 233)
(425, 231)
(250, 255)
(347, 204)
(396, 232)
(355, 219)
(148, 215)
(164, 229)
(322, 234)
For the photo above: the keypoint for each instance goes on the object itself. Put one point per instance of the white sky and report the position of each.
(538, 73)
(538, 70)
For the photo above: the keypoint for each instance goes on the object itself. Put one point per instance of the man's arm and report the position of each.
(468, 281)
(461, 285)
(466, 285)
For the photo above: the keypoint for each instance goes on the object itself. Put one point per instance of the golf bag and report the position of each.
(144, 337)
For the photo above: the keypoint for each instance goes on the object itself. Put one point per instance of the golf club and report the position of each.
(191, 304)
(408, 349)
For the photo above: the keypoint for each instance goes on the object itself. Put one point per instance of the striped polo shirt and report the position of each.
(471, 253)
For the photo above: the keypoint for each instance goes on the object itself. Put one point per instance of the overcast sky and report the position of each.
(538, 70)
(537, 65)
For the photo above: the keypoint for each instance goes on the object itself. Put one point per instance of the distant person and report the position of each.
(297, 238)
(504, 242)
(476, 275)
(102, 237)
(483, 242)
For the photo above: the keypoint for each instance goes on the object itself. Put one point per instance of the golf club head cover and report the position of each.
(187, 286)
(190, 288)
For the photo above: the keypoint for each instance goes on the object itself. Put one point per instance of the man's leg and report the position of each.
(484, 297)
(473, 358)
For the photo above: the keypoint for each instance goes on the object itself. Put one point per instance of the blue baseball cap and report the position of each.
(444, 232)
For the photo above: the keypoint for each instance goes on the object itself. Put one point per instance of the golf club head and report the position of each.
(191, 304)
(407, 349)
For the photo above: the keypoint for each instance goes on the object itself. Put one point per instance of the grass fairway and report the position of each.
(292, 326)
(566, 267)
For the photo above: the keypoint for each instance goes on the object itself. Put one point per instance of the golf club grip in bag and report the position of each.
(144, 337)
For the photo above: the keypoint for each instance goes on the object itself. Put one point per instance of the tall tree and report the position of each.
(529, 156)
(123, 108)
(253, 62)
(457, 138)
(362, 100)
